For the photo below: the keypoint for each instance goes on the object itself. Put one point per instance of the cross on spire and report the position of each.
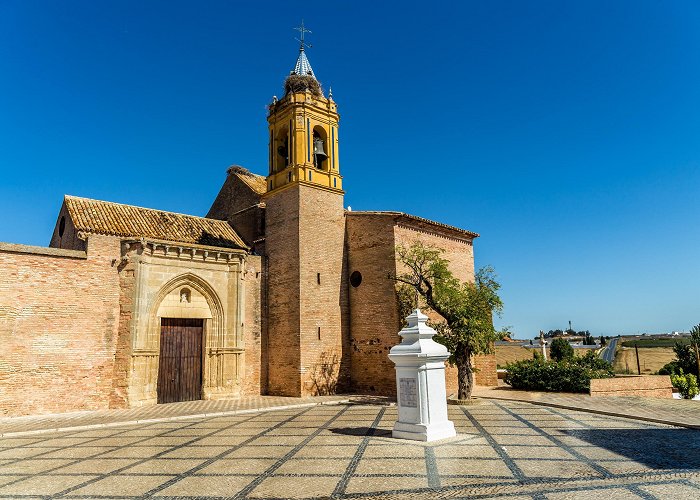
(301, 29)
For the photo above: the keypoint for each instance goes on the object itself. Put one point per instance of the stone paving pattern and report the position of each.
(677, 412)
(504, 449)
(100, 418)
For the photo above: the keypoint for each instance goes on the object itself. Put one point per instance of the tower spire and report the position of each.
(302, 29)
(303, 66)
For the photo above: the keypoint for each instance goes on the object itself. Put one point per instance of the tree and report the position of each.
(602, 341)
(560, 349)
(685, 361)
(695, 342)
(467, 309)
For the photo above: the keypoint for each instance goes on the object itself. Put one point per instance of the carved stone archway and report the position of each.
(221, 357)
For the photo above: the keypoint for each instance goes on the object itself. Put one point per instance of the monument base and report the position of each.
(422, 432)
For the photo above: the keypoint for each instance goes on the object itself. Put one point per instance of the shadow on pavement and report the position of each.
(655, 448)
(361, 431)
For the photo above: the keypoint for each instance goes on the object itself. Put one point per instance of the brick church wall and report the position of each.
(282, 252)
(321, 242)
(238, 204)
(372, 239)
(69, 239)
(374, 321)
(59, 312)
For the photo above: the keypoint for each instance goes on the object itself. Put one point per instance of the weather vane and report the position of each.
(301, 29)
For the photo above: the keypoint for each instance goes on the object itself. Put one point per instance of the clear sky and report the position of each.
(566, 133)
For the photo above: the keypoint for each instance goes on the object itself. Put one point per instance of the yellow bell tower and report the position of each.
(303, 128)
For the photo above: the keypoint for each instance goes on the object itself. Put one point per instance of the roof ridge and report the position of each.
(137, 206)
(417, 218)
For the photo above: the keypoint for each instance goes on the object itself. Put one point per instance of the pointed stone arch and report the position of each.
(221, 356)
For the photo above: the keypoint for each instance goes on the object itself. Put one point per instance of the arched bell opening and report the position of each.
(320, 148)
(282, 151)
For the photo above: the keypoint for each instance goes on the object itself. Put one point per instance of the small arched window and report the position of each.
(61, 227)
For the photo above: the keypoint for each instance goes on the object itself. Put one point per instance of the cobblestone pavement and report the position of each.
(504, 449)
(677, 412)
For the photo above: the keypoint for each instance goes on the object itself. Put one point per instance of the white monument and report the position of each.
(420, 383)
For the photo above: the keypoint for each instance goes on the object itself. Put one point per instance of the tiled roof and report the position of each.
(104, 217)
(404, 217)
(256, 182)
(303, 66)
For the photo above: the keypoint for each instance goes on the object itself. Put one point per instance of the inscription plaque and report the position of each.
(408, 395)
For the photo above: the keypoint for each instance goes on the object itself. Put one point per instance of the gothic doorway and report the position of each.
(180, 363)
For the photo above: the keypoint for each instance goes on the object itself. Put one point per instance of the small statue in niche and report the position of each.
(185, 296)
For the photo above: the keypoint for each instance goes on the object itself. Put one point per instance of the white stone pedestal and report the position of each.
(420, 383)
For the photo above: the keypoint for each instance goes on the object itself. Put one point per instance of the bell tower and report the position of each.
(304, 240)
(303, 128)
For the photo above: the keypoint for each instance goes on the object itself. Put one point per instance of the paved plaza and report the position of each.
(504, 449)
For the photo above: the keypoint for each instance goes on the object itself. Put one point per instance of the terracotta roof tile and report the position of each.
(258, 183)
(104, 217)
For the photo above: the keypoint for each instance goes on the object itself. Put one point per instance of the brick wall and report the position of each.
(321, 242)
(69, 239)
(59, 314)
(238, 204)
(305, 294)
(282, 252)
(374, 321)
(371, 239)
(650, 386)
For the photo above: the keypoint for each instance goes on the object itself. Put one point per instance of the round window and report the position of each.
(356, 279)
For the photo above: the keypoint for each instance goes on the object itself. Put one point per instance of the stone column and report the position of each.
(420, 383)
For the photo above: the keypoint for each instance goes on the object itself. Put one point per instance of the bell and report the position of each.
(318, 149)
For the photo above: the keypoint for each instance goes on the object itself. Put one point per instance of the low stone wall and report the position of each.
(652, 386)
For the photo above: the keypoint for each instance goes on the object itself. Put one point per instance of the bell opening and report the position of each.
(319, 149)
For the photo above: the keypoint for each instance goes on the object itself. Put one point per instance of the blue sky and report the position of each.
(566, 133)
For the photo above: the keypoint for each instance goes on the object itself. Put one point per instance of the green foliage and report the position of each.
(686, 358)
(687, 385)
(669, 368)
(466, 308)
(685, 361)
(560, 349)
(695, 344)
(570, 375)
(603, 342)
(588, 339)
(406, 299)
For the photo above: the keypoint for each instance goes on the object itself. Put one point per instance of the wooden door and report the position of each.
(180, 364)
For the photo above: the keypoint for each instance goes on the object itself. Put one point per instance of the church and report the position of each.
(278, 290)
